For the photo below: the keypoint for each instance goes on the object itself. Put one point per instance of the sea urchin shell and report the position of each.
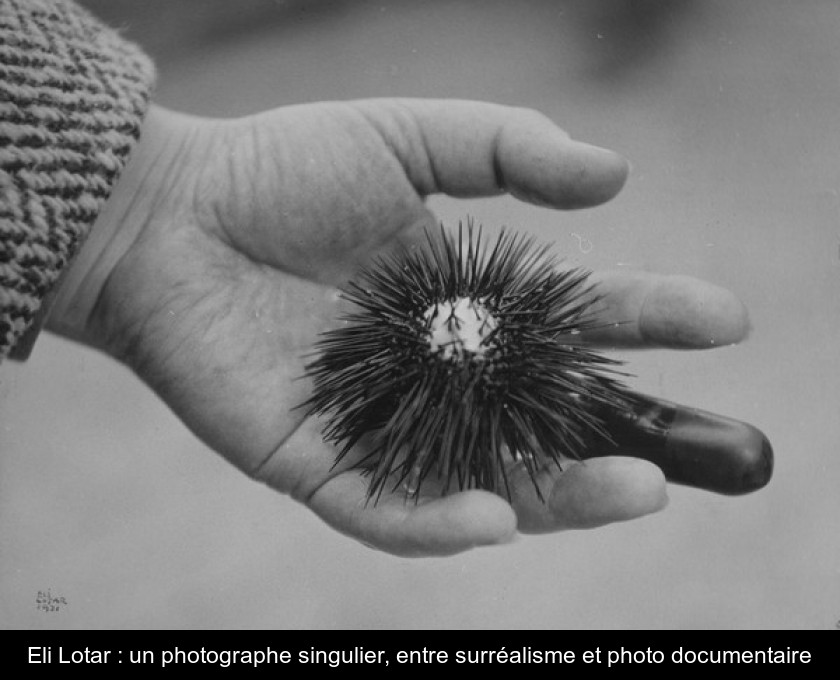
(459, 358)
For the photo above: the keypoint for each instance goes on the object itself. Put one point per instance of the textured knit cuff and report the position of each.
(73, 94)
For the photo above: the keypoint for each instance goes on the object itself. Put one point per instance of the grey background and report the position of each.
(729, 114)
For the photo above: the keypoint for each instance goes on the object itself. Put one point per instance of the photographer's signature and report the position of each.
(45, 601)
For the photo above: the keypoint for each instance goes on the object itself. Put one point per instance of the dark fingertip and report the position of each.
(692, 447)
(718, 454)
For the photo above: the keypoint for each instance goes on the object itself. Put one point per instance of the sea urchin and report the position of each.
(460, 357)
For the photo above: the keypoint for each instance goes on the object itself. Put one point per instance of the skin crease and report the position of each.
(212, 269)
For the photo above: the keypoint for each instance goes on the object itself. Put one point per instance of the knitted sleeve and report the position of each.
(72, 97)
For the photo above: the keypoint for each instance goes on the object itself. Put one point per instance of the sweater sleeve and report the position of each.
(73, 94)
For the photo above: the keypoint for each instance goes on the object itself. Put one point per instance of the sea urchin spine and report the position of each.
(460, 357)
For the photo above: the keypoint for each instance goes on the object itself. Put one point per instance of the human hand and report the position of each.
(212, 271)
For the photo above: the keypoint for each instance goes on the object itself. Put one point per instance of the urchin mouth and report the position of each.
(460, 329)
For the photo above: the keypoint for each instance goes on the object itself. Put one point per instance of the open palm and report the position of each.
(214, 268)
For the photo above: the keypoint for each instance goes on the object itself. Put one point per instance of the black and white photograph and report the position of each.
(398, 315)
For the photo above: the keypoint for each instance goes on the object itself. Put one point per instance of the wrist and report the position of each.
(143, 194)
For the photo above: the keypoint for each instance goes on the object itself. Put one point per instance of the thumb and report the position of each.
(467, 148)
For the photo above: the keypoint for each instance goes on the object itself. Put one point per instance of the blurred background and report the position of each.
(729, 115)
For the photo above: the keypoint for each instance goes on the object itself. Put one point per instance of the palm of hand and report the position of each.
(220, 297)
